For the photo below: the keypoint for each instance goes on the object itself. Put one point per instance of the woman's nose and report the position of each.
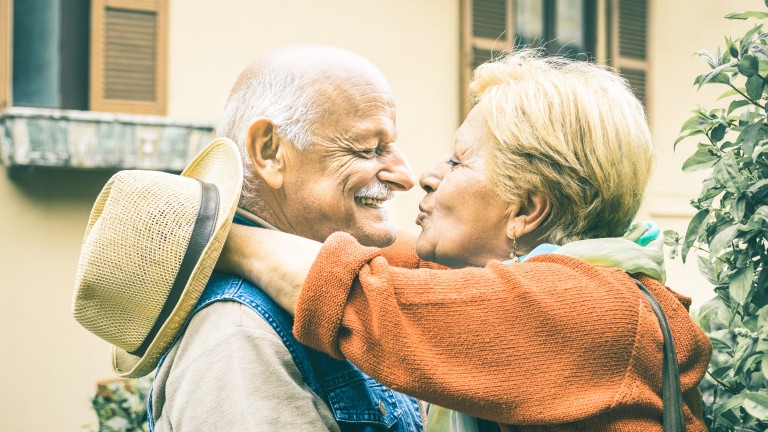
(431, 177)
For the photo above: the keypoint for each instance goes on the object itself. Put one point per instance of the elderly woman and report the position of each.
(504, 327)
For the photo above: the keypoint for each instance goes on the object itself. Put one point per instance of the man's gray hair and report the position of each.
(288, 98)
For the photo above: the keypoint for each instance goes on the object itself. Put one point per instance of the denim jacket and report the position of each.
(358, 403)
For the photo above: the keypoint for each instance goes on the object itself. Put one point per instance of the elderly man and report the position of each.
(316, 129)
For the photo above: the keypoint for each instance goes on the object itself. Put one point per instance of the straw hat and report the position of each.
(150, 246)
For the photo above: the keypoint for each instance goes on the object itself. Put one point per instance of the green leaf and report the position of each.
(746, 40)
(707, 269)
(725, 315)
(728, 93)
(719, 78)
(749, 137)
(719, 345)
(745, 15)
(741, 284)
(695, 227)
(732, 50)
(756, 404)
(695, 122)
(745, 348)
(759, 149)
(726, 173)
(687, 135)
(748, 65)
(762, 213)
(699, 160)
(709, 189)
(755, 87)
(759, 217)
(738, 208)
(671, 237)
(764, 365)
(705, 314)
(716, 75)
(718, 132)
(708, 58)
(734, 402)
(723, 238)
(738, 103)
(759, 50)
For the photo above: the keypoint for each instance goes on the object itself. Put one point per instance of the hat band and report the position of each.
(202, 231)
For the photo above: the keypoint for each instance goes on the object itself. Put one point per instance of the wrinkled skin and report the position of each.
(353, 166)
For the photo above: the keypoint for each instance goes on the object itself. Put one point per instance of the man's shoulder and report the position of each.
(231, 359)
(219, 317)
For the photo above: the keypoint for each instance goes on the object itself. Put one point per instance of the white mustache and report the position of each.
(376, 190)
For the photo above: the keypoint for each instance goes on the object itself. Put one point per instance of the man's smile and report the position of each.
(370, 202)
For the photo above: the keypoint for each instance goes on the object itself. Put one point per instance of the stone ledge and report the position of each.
(36, 137)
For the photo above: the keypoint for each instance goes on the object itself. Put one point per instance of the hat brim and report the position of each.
(219, 163)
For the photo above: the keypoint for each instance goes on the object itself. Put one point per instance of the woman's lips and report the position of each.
(421, 216)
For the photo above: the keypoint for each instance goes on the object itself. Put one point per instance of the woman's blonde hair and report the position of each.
(570, 130)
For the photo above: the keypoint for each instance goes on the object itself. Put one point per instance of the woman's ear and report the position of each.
(266, 152)
(526, 217)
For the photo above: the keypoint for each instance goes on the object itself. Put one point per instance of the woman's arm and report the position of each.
(278, 262)
(516, 343)
(275, 261)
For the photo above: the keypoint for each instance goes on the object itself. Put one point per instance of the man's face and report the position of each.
(341, 182)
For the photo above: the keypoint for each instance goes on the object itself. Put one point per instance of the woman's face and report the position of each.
(463, 222)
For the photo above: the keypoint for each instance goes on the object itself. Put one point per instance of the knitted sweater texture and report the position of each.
(550, 344)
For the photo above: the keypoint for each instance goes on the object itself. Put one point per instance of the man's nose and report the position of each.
(396, 172)
(430, 178)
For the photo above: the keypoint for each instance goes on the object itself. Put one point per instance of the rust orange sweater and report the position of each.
(550, 344)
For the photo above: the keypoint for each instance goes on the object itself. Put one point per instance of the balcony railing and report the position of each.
(34, 137)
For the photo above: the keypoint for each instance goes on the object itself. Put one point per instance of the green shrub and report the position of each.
(729, 233)
(121, 406)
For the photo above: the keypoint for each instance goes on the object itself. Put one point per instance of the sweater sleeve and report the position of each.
(524, 343)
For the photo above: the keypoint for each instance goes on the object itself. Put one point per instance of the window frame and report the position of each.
(97, 99)
(6, 33)
(614, 48)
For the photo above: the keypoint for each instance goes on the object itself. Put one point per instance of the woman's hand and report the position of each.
(276, 262)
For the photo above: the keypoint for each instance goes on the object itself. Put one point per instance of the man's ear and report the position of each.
(526, 217)
(266, 151)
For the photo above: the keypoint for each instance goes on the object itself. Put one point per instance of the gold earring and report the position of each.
(513, 256)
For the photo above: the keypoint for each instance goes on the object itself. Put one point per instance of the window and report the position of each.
(629, 43)
(564, 27)
(100, 55)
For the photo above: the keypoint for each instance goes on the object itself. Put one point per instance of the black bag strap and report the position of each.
(671, 390)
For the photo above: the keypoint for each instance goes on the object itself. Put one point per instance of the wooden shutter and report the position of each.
(128, 56)
(629, 43)
(487, 28)
(6, 35)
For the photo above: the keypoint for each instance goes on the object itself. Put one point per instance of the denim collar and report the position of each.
(544, 248)
(244, 217)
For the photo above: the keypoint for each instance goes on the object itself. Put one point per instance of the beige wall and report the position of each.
(49, 364)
